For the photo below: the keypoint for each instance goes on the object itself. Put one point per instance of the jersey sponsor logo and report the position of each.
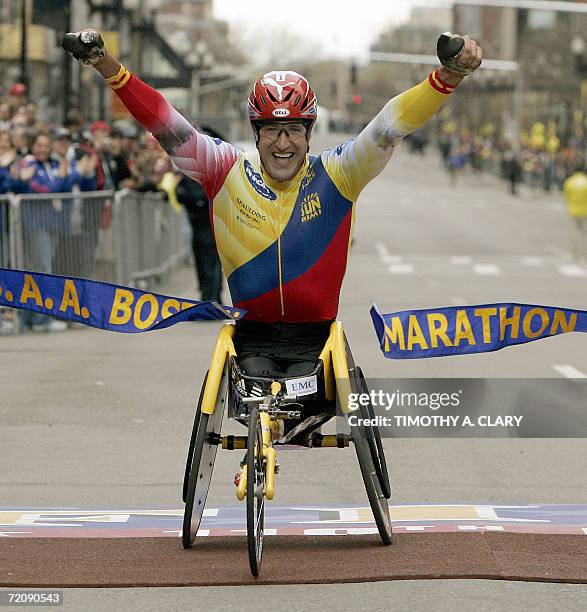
(310, 176)
(258, 183)
(281, 112)
(311, 207)
(249, 216)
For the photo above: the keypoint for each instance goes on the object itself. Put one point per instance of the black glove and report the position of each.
(449, 48)
(86, 46)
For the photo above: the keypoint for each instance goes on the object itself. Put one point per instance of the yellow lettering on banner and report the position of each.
(559, 320)
(527, 325)
(463, 330)
(186, 305)
(70, 299)
(154, 311)
(415, 334)
(513, 322)
(121, 312)
(486, 314)
(437, 326)
(31, 290)
(168, 305)
(395, 334)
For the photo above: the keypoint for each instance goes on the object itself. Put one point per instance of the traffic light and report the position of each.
(357, 99)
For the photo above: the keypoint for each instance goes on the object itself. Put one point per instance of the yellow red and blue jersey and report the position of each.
(283, 245)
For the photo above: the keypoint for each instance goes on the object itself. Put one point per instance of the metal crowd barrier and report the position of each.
(125, 237)
(4, 231)
(148, 235)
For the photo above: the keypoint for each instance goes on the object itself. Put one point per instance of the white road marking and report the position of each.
(494, 527)
(401, 268)
(385, 256)
(487, 269)
(486, 512)
(532, 261)
(568, 371)
(573, 270)
(461, 260)
(381, 249)
(557, 251)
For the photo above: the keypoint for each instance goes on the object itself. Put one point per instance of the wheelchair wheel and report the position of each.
(255, 492)
(377, 499)
(373, 437)
(360, 436)
(188, 464)
(206, 440)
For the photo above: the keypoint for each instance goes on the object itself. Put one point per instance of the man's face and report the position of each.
(282, 147)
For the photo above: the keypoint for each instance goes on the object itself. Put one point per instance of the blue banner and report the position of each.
(103, 305)
(459, 330)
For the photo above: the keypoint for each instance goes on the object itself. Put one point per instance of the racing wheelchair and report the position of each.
(265, 405)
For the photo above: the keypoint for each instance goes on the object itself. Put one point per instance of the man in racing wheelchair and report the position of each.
(282, 218)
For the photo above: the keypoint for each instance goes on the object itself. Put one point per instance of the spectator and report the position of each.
(7, 158)
(208, 269)
(115, 161)
(44, 221)
(575, 191)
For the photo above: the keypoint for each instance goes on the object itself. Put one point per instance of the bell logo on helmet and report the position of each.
(258, 183)
(281, 112)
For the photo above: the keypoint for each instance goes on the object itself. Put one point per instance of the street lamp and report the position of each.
(200, 59)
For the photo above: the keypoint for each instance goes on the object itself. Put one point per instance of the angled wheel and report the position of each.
(377, 499)
(255, 492)
(206, 440)
(373, 485)
(188, 464)
(373, 436)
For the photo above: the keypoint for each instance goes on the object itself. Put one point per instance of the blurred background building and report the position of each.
(179, 46)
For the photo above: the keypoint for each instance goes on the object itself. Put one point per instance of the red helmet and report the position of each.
(282, 95)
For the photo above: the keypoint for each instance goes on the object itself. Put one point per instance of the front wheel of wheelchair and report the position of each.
(206, 437)
(255, 492)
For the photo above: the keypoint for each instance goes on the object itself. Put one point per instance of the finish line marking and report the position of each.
(353, 520)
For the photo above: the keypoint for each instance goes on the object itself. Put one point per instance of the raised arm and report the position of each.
(355, 163)
(200, 157)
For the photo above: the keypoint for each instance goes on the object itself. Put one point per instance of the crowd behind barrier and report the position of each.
(542, 161)
(90, 201)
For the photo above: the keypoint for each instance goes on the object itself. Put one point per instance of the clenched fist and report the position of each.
(86, 46)
(459, 55)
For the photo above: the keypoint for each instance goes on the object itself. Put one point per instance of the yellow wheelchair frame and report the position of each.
(257, 482)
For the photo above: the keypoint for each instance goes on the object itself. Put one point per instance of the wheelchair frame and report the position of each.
(341, 377)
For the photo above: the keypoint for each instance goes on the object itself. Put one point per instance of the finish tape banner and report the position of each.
(460, 330)
(103, 305)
